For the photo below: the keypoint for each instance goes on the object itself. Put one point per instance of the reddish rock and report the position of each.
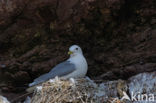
(117, 37)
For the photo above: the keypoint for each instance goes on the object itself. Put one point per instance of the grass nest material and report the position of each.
(81, 90)
(63, 91)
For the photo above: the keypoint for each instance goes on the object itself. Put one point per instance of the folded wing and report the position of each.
(59, 70)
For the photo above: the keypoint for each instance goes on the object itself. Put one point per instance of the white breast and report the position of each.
(81, 67)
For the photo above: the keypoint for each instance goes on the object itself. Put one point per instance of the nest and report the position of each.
(63, 91)
(69, 91)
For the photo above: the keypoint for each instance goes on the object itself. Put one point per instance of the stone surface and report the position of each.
(86, 90)
(117, 37)
(3, 100)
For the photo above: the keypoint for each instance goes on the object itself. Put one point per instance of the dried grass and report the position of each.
(71, 91)
(65, 91)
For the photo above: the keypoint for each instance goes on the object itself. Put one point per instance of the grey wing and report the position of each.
(59, 70)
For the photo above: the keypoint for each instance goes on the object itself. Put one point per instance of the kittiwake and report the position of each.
(74, 67)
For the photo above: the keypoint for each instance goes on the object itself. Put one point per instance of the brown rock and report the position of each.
(117, 37)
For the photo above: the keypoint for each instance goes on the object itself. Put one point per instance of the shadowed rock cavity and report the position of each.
(117, 37)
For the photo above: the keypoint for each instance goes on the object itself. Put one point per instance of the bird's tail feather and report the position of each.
(31, 89)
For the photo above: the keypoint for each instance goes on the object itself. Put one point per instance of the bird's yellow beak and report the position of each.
(70, 52)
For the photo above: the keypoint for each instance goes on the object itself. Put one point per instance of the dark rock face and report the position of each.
(117, 37)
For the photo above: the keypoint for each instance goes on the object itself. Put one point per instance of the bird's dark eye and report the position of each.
(76, 48)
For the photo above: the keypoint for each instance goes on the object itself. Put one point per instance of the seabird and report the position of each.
(74, 67)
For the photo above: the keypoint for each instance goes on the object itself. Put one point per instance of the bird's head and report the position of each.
(75, 50)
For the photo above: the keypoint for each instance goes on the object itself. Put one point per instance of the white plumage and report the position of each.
(74, 67)
(81, 65)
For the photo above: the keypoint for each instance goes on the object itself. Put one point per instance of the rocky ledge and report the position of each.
(117, 37)
(137, 89)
